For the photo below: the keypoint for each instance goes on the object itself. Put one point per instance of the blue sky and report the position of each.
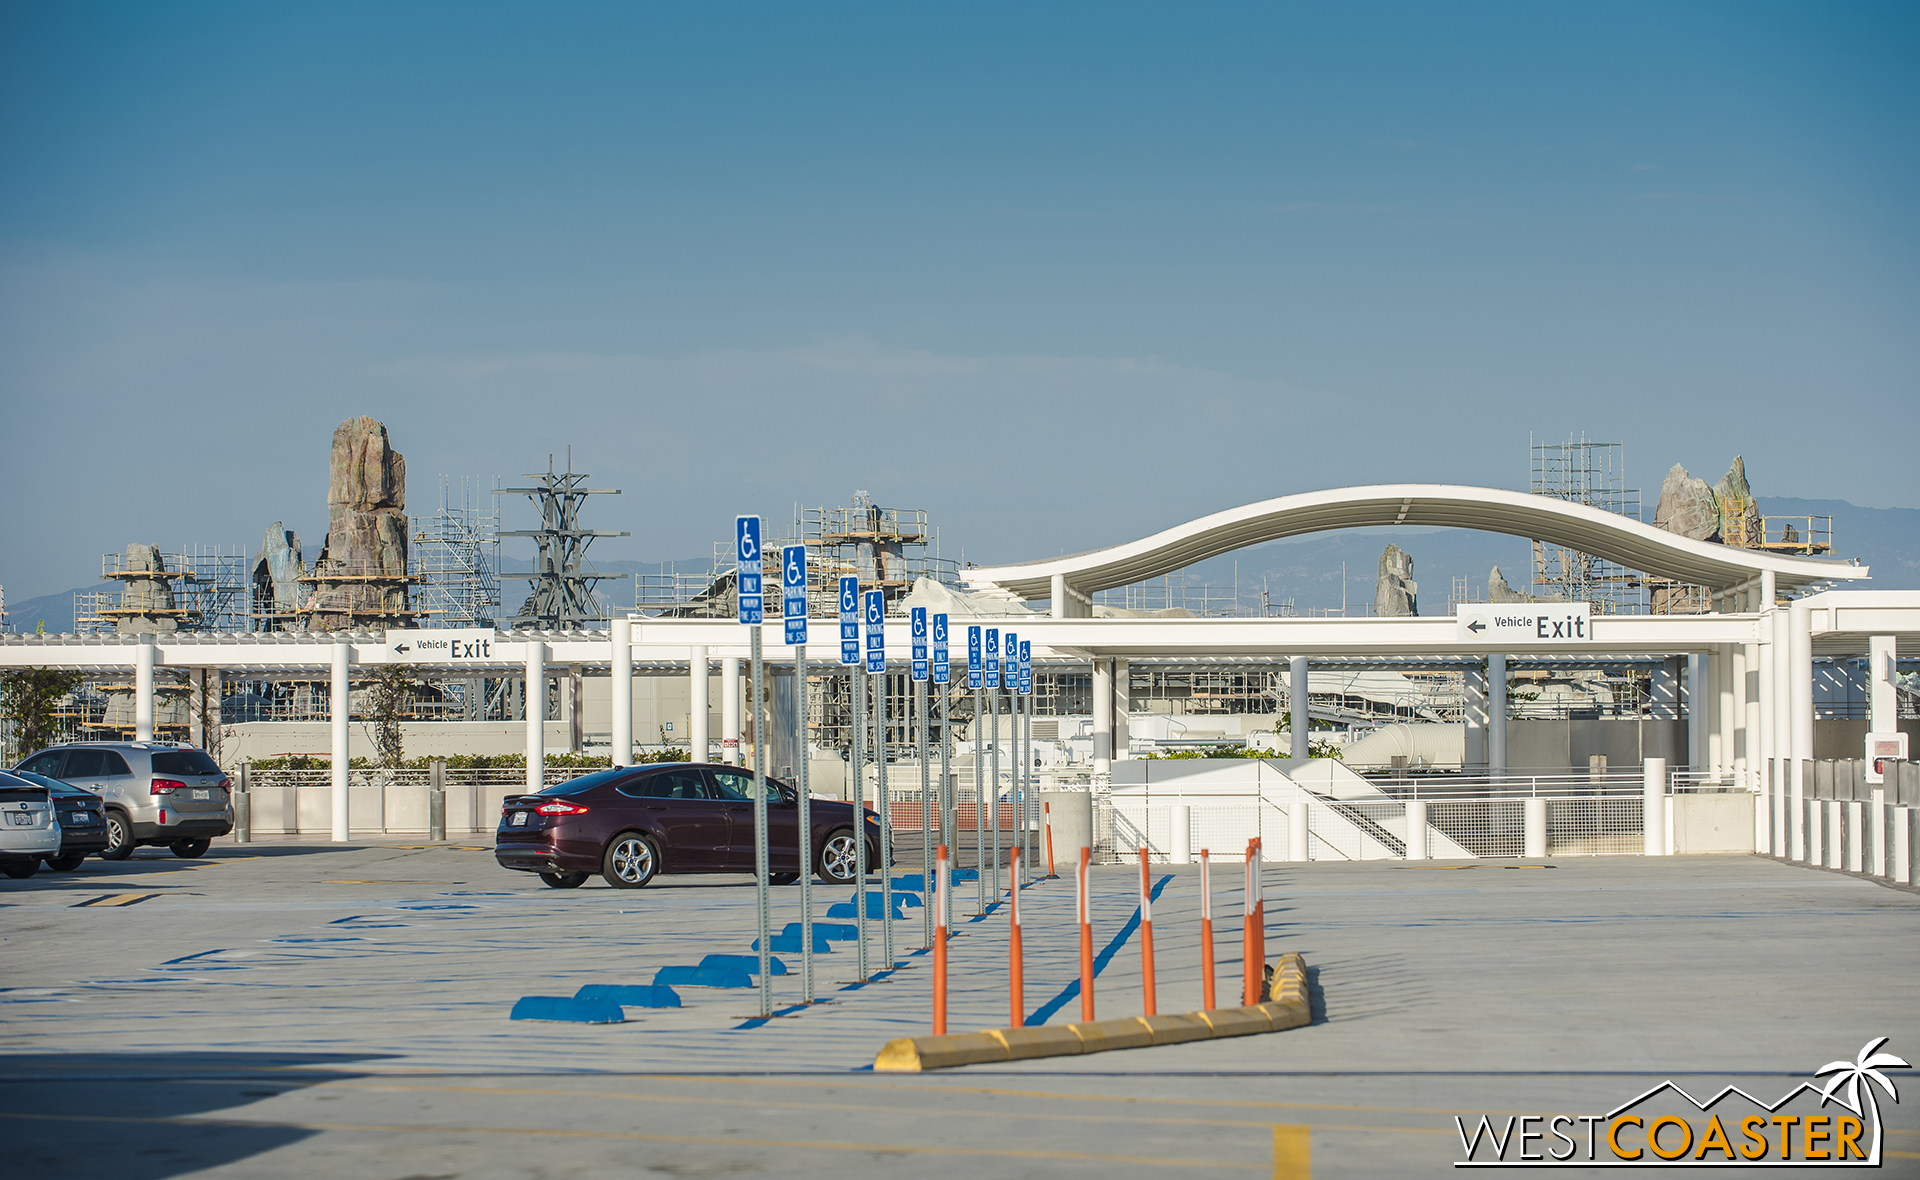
(1062, 274)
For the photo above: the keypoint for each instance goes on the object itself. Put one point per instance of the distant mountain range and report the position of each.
(1307, 571)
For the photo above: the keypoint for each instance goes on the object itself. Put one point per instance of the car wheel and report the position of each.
(631, 861)
(837, 858)
(20, 869)
(188, 849)
(564, 880)
(119, 837)
(782, 878)
(67, 863)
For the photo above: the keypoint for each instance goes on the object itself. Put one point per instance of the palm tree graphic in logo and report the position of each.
(1867, 1066)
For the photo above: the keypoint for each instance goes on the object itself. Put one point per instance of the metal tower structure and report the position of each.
(563, 580)
(1593, 474)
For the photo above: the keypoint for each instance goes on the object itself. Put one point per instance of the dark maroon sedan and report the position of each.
(630, 823)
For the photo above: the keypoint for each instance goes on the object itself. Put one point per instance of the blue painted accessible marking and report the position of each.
(631, 995)
(567, 1008)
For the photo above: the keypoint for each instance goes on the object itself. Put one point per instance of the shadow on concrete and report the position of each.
(145, 1116)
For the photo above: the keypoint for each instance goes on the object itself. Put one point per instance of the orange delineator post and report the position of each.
(1018, 982)
(940, 944)
(1259, 923)
(1206, 934)
(1086, 940)
(1046, 812)
(1146, 938)
(1249, 964)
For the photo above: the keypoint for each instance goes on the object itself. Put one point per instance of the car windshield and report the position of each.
(585, 782)
(183, 762)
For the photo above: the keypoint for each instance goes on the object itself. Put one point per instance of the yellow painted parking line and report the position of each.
(890, 1108)
(643, 1137)
(1292, 1153)
(114, 899)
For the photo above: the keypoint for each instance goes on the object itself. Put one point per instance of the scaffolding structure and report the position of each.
(1593, 474)
(456, 554)
(563, 580)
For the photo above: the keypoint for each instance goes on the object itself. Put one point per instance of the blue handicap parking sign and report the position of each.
(875, 610)
(975, 663)
(918, 615)
(993, 657)
(746, 571)
(1026, 667)
(793, 592)
(849, 620)
(941, 672)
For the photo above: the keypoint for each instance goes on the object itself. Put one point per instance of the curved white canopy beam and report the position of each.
(1616, 538)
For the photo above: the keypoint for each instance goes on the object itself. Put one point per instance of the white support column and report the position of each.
(1122, 706)
(1800, 705)
(1298, 827)
(1059, 610)
(1298, 705)
(1787, 810)
(621, 673)
(143, 689)
(1699, 713)
(575, 715)
(1746, 665)
(196, 707)
(536, 715)
(337, 706)
(1180, 840)
(730, 710)
(1653, 807)
(1883, 701)
(1416, 829)
(1726, 707)
(1102, 717)
(697, 741)
(1496, 714)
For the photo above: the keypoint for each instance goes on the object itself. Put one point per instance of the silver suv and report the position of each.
(155, 792)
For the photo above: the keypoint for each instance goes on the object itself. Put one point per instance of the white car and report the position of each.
(29, 830)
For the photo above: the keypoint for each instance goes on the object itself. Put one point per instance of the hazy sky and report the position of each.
(1063, 275)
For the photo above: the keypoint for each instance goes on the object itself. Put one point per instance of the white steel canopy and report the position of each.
(1607, 535)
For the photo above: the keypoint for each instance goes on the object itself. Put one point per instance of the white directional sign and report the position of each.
(849, 620)
(941, 671)
(746, 570)
(446, 645)
(1528, 623)
(793, 592)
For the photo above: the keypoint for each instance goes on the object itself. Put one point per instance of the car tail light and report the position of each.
(558, 807)
(224, 783)
(167, 786)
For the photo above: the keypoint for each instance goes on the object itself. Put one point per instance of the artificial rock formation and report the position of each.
(1739, 511)
(276, 577)
(1396, 594)
(1499, 591)
(361, 577)
(1687, 507)
(147, 605)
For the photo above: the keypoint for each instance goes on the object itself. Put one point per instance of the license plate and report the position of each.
(80, 817)
(203, 794)
(20, 819)
(519, 819)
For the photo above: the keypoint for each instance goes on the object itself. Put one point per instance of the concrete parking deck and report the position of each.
(283, 1009)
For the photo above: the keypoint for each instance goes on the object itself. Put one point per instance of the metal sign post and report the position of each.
(993, 696)
(746, 580)
(975, 677)
(1023, 747)
(942, 676)
(876, 612)
(920, 671)
(857, 761)
(793, 609)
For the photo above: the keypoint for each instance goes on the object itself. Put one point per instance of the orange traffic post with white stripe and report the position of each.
(940, 943)
(1016, 976)
(1046, 812)
(1146, 938)
(1086, 938)
(1206, 934)
(1250, 964)
(1259, 922)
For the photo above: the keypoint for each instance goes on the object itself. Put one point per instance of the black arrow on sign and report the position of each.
(402, 648)
(1476, 626)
